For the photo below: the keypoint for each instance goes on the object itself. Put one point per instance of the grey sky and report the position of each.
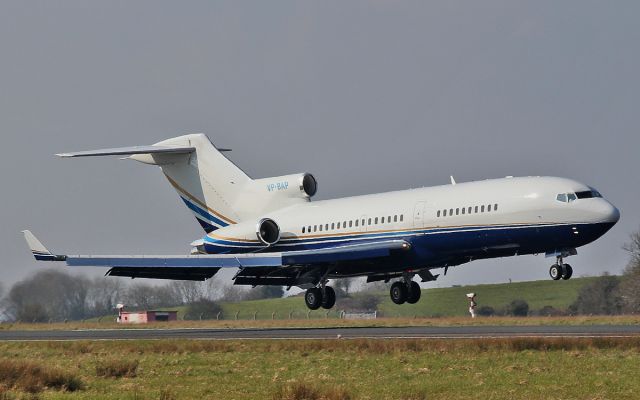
(367, 95)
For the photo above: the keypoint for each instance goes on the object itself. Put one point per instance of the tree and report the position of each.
(265, 292)
(599, 297)
(630, 285)
(518, 308)
(50, 294)
(202, 309)
(343, 286)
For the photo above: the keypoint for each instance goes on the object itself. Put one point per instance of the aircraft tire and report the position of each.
(414, 293)
(313, 298)
(329, 298)
(398, 292)
(567, 271)
(555, 272)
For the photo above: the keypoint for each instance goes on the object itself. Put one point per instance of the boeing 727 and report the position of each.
(271, 231)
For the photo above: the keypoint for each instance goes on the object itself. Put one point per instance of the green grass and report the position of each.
(342, 369)
(440, 302)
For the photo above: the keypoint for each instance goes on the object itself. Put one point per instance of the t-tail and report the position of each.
(215, 190)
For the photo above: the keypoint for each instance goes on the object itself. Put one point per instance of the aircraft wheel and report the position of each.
(329, 298)
(555, 272)
(567, 271)
(414, 293)
(398, 292)
(313, 298)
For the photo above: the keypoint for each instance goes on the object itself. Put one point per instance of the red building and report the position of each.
(143, 317)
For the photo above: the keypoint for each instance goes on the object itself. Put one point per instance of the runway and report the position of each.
(450, 332)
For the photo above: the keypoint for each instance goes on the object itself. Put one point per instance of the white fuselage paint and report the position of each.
(521, 203)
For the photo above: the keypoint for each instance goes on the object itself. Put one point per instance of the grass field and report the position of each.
(442, 302)
(329, 369)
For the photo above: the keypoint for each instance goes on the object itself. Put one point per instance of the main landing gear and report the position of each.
(559, 270)
(405, 290)
(323, 296)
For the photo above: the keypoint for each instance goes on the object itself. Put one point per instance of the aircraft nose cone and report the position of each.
(610, 214)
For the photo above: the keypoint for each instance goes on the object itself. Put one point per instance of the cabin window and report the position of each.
(303, 229)
(309, 228)
(438, 213)
(482, 209)
(451, 211)
(469, 210)
(315, 228)
(357, 222)
(457, 211)
(401, 217)
(395, 218)
(350, 224)
(333, 225)
(495, 207)
(326, 227)
(389, 219)
(382, 220)
(444, 213)
(376, 221)
(369, 221)
(320, 228)
(476, 209)
(463, 209)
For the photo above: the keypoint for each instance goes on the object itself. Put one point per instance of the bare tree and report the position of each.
(630, 285)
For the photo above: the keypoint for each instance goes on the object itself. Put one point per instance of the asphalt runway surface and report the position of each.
(450, 332)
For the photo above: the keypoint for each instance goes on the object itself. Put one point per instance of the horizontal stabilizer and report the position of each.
(120, 151)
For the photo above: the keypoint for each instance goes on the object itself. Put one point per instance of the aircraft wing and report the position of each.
(203, 266)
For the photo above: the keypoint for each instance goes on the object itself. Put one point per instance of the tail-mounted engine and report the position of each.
(268, 231)
(290, 186)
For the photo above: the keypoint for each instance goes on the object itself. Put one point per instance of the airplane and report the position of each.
(271, 231)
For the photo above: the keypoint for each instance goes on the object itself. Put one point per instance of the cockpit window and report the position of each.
(587, 194)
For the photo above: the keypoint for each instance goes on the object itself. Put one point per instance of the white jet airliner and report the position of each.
(271, 231)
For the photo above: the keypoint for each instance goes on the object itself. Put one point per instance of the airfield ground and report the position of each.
(525, 368)
(337, 323)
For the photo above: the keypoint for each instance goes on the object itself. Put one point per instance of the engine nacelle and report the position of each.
(292, 186)
(268, 231)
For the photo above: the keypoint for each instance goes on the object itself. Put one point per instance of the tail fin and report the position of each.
(207, 182)
(216, 191)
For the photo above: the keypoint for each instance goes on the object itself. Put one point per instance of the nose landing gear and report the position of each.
(559, 270)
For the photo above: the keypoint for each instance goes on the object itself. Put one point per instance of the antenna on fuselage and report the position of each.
(453, 181)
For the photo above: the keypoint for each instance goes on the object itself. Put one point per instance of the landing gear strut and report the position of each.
(560, 270)
(405, 290)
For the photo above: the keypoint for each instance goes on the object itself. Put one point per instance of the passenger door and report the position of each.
(418, 214)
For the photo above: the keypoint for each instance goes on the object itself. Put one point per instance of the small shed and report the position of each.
(144, 317)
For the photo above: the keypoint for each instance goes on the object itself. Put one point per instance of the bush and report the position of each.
(485, 311)
(33, 378)
(202, 309)
(117, 369)
(517, 308)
